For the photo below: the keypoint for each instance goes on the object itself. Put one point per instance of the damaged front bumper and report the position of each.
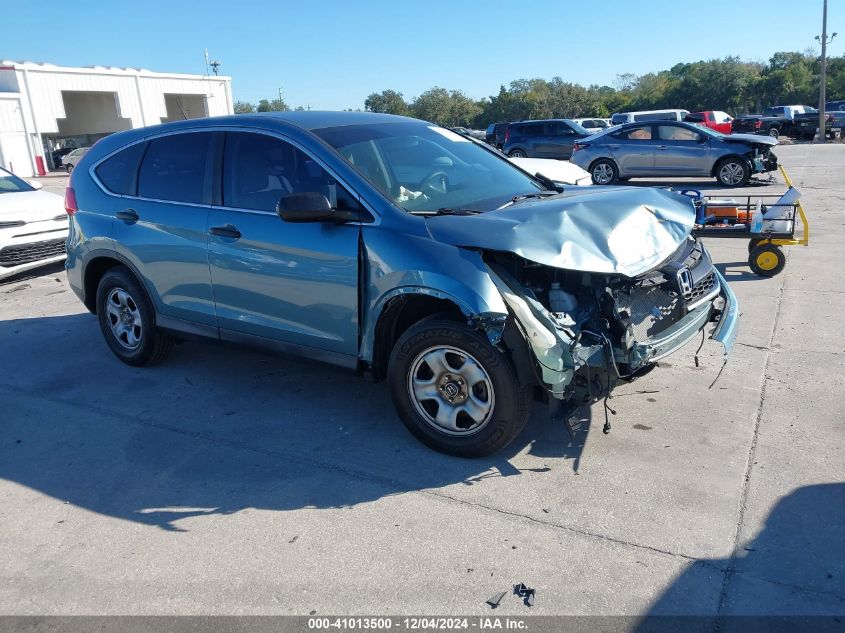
(578, 367)
(685, 330)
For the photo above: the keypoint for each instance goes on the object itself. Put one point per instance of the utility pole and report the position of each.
(823, 72)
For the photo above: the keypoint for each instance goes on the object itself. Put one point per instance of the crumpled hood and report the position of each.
(621, 230)
(759, 139)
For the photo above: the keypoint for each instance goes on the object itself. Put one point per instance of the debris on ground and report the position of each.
(526, 593)
(495, 600)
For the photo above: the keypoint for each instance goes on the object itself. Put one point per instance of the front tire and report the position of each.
(68, 168)
(733, 172)
(127, 320)
(604, 172)
(454, 391)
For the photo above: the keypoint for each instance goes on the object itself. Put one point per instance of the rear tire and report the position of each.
(438, 359)
(604, 172)
(127, 320)
(68, 168)
(774, 132)
(518, 153)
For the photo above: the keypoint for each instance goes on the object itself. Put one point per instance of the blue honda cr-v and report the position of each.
(391, 247)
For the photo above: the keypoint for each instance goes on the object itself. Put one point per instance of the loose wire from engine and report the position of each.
(699, 347)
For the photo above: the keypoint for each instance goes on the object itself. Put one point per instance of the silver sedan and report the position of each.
(674, 149)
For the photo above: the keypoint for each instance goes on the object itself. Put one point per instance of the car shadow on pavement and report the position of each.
(44, 271)
(216, 430)
(789, 577)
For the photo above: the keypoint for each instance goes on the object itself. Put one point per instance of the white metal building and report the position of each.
(47, 109)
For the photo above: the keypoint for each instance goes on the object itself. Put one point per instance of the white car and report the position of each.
(561, 171)
(594, 125)
(33, 225)
(69, 160)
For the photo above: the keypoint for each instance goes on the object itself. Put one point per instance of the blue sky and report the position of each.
(331, 54)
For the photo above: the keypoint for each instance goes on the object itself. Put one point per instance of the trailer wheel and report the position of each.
(767, 260)
(754, 243)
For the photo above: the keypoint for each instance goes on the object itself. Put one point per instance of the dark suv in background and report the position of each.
(549, 138)
(495, 134)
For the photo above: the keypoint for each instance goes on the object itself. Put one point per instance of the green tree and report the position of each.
(444, 107)
(243, 107)
(276, 105)
(387, 102)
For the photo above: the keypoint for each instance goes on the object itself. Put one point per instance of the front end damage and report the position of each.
(600, 284)
(590, 331)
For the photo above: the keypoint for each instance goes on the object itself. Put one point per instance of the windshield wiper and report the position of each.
(448, 211)
(527, 196)
(548, 183)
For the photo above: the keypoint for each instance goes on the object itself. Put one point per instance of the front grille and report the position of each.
(26, 253)
(651, 309)
(702, 288)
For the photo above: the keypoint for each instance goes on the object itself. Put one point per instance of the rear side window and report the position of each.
(119, 173)
(176, 168)
(656, 116)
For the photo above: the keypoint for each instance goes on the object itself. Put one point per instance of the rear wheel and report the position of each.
(604, 172)
(454, 391)
(68, 168)
(767, 260)
(127, 320)
(518, 153)
(774, 132)
(733, 172)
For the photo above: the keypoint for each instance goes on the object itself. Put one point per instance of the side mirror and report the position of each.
(305, 207)
(34, 184)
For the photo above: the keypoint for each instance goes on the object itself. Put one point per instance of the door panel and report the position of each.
(633, 150)
(166, 238)
(679, 153)
(290, 282)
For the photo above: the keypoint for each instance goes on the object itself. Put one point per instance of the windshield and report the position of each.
(9, 183)
(423, 167)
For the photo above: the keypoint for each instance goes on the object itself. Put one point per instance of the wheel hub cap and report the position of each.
(124, 318)
(451, 390)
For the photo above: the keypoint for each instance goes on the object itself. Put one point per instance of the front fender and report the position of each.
(399, 264)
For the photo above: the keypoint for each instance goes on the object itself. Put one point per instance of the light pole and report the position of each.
(823, 72)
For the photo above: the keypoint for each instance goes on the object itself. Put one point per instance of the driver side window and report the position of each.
(258, 170)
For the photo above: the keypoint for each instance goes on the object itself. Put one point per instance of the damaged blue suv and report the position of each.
(394, 248)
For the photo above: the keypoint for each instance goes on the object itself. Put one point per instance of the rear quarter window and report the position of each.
(118, 174)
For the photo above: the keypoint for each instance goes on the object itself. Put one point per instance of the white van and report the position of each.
(648, 115)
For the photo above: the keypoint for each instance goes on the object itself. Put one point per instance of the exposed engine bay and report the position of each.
(589, 331)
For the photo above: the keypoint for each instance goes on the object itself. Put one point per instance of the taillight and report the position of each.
(70, 201)
(758, 124)
(579, 146)
(507, 134)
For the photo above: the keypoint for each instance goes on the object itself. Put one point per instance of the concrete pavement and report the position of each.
(227, 482)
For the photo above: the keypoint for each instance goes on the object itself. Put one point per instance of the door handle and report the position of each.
(127, 215)
(227, 230)
(662, 147)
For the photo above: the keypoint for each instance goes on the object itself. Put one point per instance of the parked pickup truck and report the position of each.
(806, 125)
(775, 121)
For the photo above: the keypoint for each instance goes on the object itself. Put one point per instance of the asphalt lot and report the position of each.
(228, 482)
